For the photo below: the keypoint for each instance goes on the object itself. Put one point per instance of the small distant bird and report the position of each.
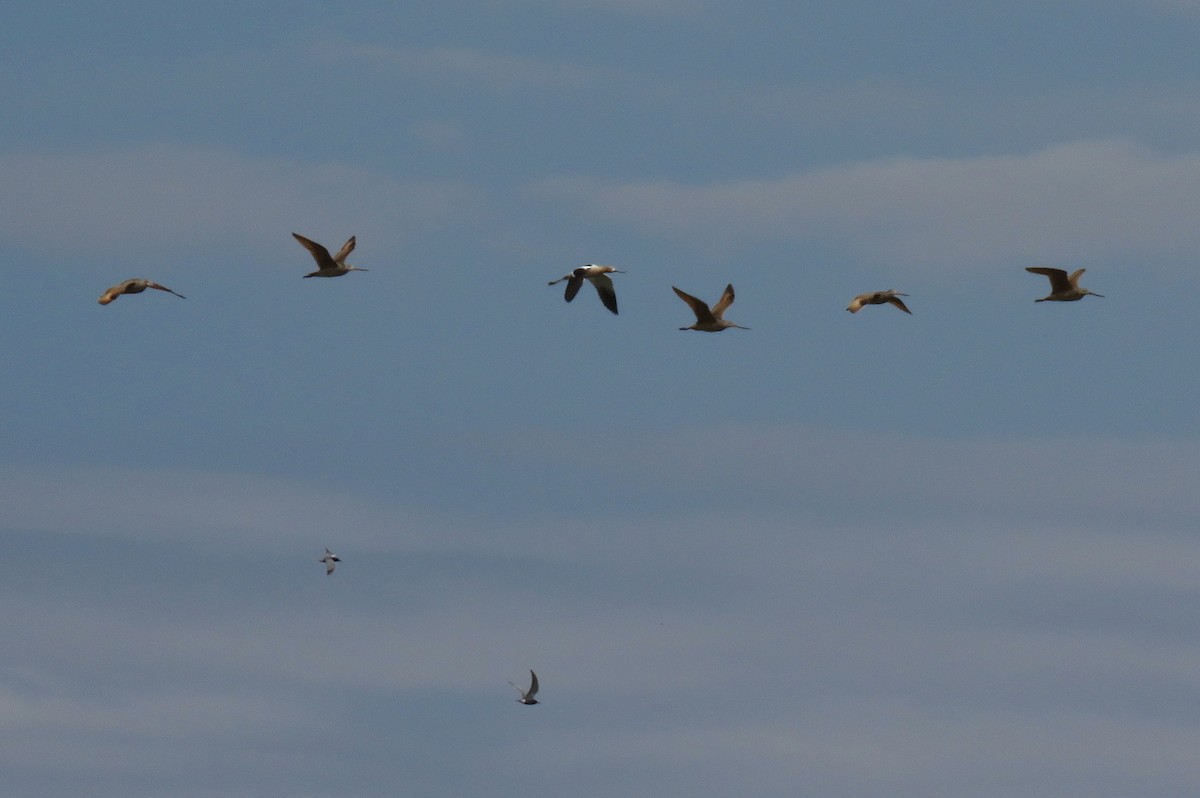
(328, 266)
(1062, 287)
(527, 696)
(709, 319)
(891, 296)
(330, 559)
(598, 276)
(136, 286)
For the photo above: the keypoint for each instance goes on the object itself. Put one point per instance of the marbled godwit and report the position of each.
(709, 319)
(891, 296)
(527, 696)
(1062, 287)
(327, 266)
(136, 286)
(598, 276)
(330, 559)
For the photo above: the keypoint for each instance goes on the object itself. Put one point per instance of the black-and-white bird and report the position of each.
(527, 696)
(330, 559)
(598, 276)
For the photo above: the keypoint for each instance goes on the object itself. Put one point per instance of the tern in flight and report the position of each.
(709, 319)
(136, 286)
(878, 298)
(527, 696)
(1063, 288)
(330, 559)
(598, 276)
(328, 266)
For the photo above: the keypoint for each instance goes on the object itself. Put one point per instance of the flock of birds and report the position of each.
(1064, 287)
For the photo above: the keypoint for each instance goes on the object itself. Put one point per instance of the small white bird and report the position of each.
(135, 286)
(878, 298)
(596, 275)
(527, 696)
(330, 559)
(327, 266)
(1062, 287)
(709, 319)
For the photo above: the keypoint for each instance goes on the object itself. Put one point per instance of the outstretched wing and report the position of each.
(344, 252)
(319, 253)
(699, 307)
(895, 300)
(533, 685)
(573, 285)
(604, 287)
(1058, 277)
(724, 302)
(152, 284)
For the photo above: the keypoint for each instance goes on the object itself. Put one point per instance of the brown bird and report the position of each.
(596, 275)
(891, 296)
(328, 266)
(135, 286)
(709, 319)
(1062, 287)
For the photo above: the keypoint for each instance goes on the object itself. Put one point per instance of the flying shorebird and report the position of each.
(709, 319)
(135, 286)
(878, 298)
(598, 276)
(330, 559)
(328, 266)
(527, 696)
(1062, 287)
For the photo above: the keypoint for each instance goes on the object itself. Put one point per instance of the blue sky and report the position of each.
(838, 555)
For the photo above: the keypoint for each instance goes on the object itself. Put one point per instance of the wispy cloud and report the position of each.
(168, 196)
(1077, 201)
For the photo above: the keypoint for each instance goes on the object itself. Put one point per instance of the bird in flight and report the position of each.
(891, 296)
(527, 696)
(330, 559)
(135, 286)
(596, 275)
(327, 266)
(1063, 288)
(709, 319)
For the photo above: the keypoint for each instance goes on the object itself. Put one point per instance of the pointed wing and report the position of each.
(163, 288)
(699, 307)
(895, 300)
(604, 287)
(1058, 278)
(329, 567)
(319, 253)
(573, 285)
(344, 252)
(533, 685)
(724, 302)
(112, 292)
(1074, 278)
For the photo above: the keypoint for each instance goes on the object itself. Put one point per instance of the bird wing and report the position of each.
(112, 292)
(724, 302)
(152, 284)
(533, 685)
(345, 251)
(1058, 278)
(698, 306)
(329, 567)
(573, 285)
(604, 287)
(1074, 278)
(895, 300)
(319, 253)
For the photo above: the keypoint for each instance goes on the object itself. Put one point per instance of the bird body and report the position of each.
(527, 696)
(135, 286)
(891, 296)
(1063, 287)
(330, 559)
(709, 319)
(327, 265)
(595, 274)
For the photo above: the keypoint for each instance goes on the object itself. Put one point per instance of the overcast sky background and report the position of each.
(847, 556)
